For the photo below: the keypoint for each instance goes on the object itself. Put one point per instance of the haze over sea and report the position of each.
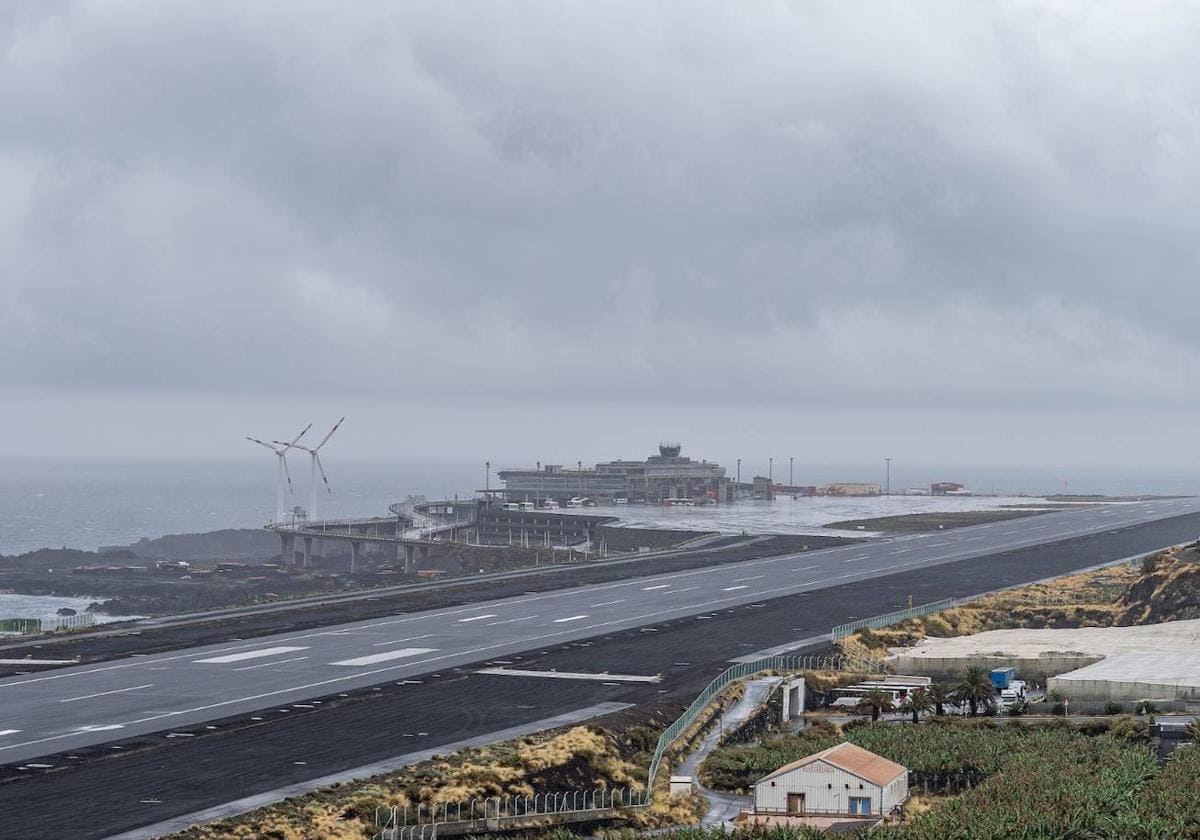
(87, 503)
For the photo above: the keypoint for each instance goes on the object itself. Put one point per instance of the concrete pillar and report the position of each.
(354, 546)
(410, 558)
(307, 551)
(793, 699)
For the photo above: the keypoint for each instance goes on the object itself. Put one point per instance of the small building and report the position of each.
(945, 488)
(844, 780)
(850, 488)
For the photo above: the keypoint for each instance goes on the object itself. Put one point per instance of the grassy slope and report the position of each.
(932, 521)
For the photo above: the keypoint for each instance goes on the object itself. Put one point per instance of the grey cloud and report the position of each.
(944, 204)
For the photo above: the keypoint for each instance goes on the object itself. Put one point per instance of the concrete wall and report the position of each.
(1028, 667)
(1093, 689)
(826, 788)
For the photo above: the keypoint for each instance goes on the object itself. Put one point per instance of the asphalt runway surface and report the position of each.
(156, 776)
(156, 635)
(75, 707)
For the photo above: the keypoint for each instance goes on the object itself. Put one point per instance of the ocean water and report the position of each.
(90, 503)
(87, 503)
(46, 607)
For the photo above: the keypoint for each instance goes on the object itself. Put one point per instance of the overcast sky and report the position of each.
(957, 232)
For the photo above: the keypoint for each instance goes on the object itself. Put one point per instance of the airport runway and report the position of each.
(109, 788)
(74, 707)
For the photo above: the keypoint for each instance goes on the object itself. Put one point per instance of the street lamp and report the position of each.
(487, 477)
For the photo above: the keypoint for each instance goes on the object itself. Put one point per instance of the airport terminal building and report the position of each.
(662, 477)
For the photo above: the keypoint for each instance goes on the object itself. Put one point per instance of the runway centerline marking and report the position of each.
(733, 588)
(609, 603)
(248, 654)
(568, 618)
(752, 577)
(269, 664)
(105, 693)
(477, 618)
(660, 586)
(511, 620)
(399, 641)
(9, 731)
(386, 656)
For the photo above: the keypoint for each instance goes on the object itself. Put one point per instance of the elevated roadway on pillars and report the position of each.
(71, 708)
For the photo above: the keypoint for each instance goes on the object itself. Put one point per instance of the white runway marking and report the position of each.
(660, 586)
(398, 641)
(805, 568)
(569, 618)
(9, 731)
(609, 603)
(269, 664)
(403, 653)
(249, 654)
(104, 693)
(754, 577)
(732, 588)
(99, 727)
(477, 618)
(511, 620)
(569, 675)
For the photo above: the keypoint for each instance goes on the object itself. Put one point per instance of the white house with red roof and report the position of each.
(844, 780)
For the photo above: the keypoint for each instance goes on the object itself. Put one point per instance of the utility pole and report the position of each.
(770, 470)
(739, 473)
(791, 472)
(887, 477)
(579, 466)
(487, 478)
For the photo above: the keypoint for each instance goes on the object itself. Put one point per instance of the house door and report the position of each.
(795, 803)
(860, 805)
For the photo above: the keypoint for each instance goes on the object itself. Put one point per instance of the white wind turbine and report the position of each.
(280, 450)
(316, 467)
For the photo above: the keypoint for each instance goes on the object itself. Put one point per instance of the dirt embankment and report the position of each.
(1164, 587)
(936, 521)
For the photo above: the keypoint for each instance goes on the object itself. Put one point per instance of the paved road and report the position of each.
(71, 708)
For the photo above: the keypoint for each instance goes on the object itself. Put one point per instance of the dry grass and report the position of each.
(1090, 599)
(580, 757)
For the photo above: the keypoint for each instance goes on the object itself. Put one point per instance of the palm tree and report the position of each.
(875, 702)
(939, 694)
(975, 689)
(917, 703)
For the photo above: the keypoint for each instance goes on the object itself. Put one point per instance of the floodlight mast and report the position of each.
(281, 471)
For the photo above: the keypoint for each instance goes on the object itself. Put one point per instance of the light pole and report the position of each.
(487, 478)
(887, 476)
(770, 470)
(579, 469)
(739, 480)
(791, 472)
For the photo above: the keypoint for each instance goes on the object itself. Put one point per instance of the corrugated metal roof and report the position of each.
(864, 764)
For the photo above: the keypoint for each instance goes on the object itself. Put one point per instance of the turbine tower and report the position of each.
(280, 450)
(315, 467)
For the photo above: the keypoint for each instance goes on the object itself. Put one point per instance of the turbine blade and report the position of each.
(297, 437)
(331, 431)
(260, 443)
(287, 445)
(317, 459)
(286, 471)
